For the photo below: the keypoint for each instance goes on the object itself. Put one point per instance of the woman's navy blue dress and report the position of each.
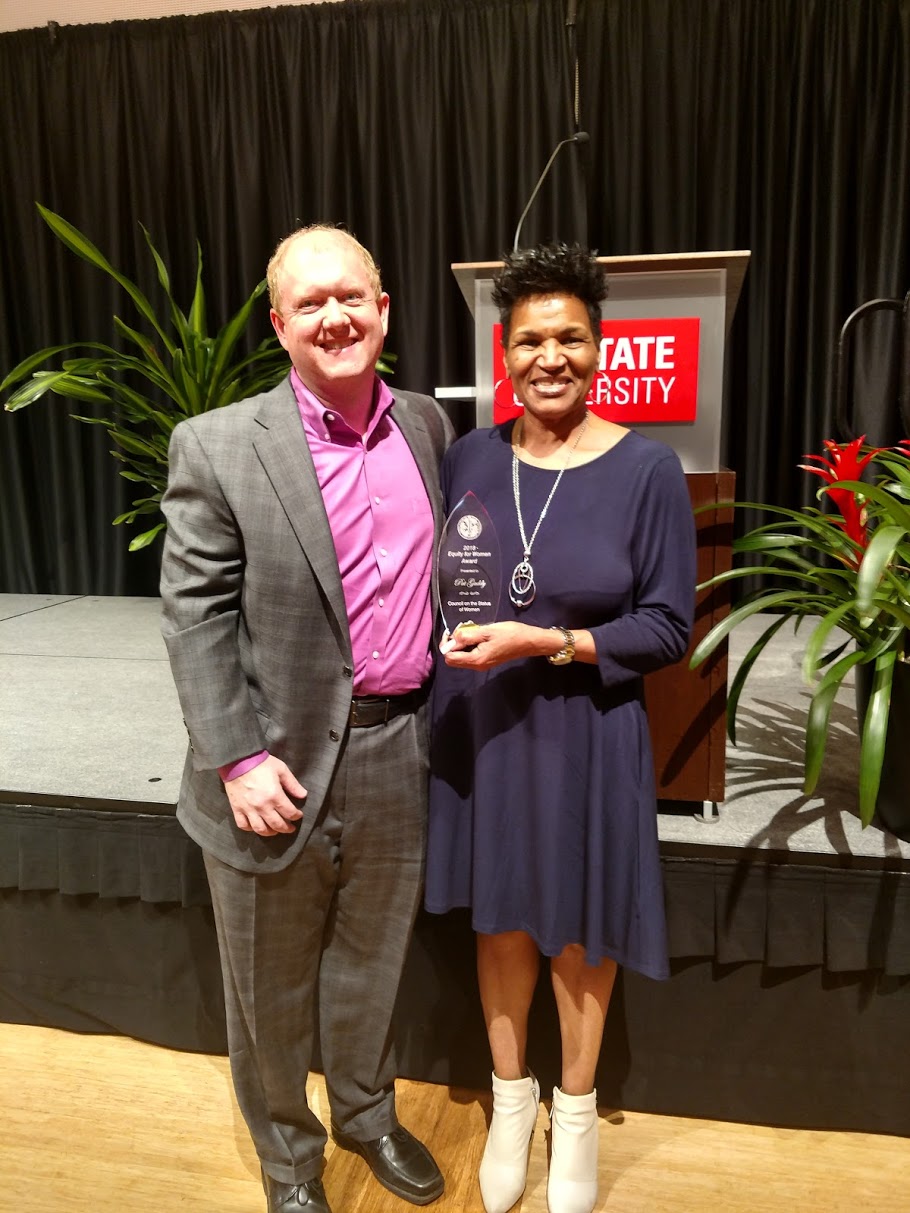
(543, 815)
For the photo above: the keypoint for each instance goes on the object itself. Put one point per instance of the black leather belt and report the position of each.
(367, 710)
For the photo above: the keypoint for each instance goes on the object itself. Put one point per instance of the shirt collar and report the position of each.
(323, 420)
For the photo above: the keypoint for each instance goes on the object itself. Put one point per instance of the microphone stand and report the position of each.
(578, 138)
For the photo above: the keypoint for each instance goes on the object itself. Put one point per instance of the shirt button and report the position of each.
(377, 500)
(382, 602)
(375, 653)
(383, 552)
(330, 416)
(334, 734)
(347, 671)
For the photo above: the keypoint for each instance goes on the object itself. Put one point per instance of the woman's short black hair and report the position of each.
(550, 269)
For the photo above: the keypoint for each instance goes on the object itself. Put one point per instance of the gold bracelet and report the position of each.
(567, 652)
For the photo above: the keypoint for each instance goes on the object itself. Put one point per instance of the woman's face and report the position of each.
(551, 355)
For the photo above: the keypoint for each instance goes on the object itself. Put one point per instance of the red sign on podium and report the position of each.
(647, 372)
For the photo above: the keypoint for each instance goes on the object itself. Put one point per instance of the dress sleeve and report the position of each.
(655, 632)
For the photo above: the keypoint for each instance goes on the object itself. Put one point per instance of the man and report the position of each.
(297, 614)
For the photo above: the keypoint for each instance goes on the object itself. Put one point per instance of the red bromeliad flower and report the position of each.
(845, 464)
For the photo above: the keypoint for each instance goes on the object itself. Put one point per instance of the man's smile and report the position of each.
(338, 346)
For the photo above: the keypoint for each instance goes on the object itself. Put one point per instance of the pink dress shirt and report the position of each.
(382, 526)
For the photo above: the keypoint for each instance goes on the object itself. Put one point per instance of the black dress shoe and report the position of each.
(400, 1162)
(288, 1198)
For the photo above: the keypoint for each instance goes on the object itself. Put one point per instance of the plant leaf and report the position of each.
(80, 244)
(811, 656)
(145, 344)
(178, 319)
(132, 443)
(877, 557)
(197, 307)
(875, 734)
(739, 681)
(819, 715)
(228, 337)
(61, 383)
(898, 611)
(721, 630)
(27, 365)
(143, 540)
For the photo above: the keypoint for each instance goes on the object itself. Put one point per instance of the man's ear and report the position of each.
(383, 304)
(278, 325)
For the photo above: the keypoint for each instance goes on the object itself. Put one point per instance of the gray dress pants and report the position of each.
(334, 926)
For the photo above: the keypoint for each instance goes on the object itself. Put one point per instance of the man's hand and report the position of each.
(259, 798)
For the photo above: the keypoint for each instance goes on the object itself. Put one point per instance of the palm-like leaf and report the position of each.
(859, 588)
(174, 370)
(177, 370)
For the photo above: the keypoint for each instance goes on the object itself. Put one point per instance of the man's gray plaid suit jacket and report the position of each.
(253, 609)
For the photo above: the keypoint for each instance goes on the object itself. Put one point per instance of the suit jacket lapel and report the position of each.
(427, 459)
(285, 455)
(418, 439)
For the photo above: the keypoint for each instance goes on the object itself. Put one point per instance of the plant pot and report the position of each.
(892, 808)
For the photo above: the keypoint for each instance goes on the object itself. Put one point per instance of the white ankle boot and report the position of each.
(572, 1183)
(504, 1166)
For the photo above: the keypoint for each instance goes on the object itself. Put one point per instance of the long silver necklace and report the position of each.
(522, 589)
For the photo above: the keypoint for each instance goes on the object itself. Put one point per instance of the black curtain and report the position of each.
(782, 126)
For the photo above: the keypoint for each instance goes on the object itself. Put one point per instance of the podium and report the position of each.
(699, 291)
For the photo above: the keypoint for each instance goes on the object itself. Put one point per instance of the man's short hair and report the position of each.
(550, 269)
(276, 262)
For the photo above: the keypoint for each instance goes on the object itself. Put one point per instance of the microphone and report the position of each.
(578, 137)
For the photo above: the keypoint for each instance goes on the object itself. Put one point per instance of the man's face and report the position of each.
(330, 322)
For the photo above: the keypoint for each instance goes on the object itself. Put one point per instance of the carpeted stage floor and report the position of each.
(88, 713)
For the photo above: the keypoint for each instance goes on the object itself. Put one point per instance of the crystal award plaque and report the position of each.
(468, 566)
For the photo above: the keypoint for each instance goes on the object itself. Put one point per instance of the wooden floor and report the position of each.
(104, 1124)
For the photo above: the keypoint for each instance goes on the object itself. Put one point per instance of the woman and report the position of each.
(542, 807)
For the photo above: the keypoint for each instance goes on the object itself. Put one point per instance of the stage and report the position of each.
(789, 924)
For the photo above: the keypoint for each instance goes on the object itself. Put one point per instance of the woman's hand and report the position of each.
(483, 646)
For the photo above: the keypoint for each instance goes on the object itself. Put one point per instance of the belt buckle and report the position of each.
(363, 717)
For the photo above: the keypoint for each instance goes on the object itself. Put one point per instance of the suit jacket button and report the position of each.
(347, 671)
(334, 734)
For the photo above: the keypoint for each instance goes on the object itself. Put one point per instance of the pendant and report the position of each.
(522, 589)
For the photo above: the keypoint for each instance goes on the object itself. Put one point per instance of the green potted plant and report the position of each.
(849, 569)
(174, 369)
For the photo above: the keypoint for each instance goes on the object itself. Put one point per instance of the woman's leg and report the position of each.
(507, 968)
(582, 998)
